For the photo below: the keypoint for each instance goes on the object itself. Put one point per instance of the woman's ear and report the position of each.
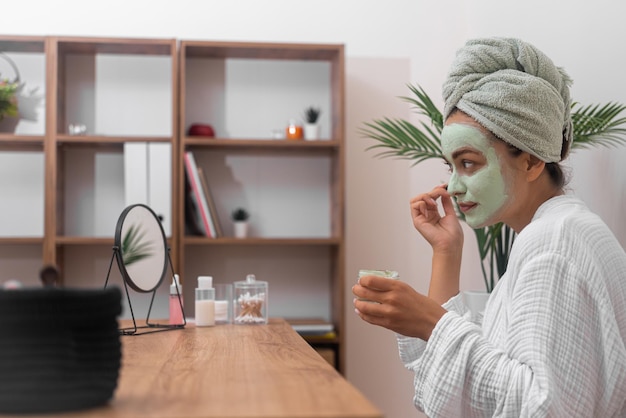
(533, 167)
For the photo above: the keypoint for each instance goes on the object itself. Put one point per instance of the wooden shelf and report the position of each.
(84, 241)
(260, 241)
(83, 174)
(132, 46)
(7, 137)
(31, 44)
(67, 240)
(92, 166)
(23, 154)
(276, 172)
(320, 340)
(104, 139)
(12, 142)
(275, 51)
(21, 240)
(258, 143)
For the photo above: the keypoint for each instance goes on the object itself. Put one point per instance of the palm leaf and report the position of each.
(134, 248)
(402, 139)
(425, 106)
(494, 245)
(596, 125)
(503, 242)
(483, 241)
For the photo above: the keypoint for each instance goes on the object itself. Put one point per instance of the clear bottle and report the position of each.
(223, 303)
(176, 302)
(205, 302)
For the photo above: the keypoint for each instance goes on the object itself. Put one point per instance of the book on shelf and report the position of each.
(211, 203)
(193, 223)
(191, 169)
(312, 327)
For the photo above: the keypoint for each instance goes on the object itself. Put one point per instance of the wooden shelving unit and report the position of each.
(301, 258)
(21, 248)
(80, 71)
(247, 91)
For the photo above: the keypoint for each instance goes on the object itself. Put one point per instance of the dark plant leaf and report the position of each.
(134, 247)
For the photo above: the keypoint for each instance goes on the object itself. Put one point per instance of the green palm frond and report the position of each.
(425, 107)
(402, 139)
(596, 125)
(593, 125)
(494, 246)
(134, 248)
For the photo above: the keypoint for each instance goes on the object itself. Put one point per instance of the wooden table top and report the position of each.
(229, 371)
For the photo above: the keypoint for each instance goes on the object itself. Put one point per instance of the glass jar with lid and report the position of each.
(250, 301)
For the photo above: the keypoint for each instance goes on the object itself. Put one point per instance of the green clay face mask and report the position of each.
(484, 187)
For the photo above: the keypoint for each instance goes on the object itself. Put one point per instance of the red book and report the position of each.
(212, 208)
(196, 190)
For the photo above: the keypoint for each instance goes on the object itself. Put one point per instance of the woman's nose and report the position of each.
(455, 185)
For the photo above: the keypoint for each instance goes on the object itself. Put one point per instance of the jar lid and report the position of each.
(250, 281)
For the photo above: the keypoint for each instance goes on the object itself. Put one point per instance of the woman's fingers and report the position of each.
(378, 283)
(424, 200)
(448, 206)
(367, 307)
(425, 204)
(363, 293)
(371, 288)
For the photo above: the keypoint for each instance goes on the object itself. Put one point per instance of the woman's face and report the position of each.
(479, 181)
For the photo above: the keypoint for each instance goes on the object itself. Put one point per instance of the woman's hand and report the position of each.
(395, 305)
(443, 233)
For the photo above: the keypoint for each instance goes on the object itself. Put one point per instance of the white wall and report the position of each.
(388, 44)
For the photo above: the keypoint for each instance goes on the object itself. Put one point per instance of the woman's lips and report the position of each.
(466, 206)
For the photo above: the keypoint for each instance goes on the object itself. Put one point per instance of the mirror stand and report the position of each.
(149, 327)
(142, 255)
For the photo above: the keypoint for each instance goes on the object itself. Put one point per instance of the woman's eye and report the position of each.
(447, 164)
(467, 164)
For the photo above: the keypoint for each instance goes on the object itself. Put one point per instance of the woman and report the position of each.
(552, 340)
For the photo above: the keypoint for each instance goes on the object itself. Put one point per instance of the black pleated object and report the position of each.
(60, 349)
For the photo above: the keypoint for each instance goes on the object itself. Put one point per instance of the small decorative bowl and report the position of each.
(60, 349)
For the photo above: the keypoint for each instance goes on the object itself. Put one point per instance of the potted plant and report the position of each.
(8, 105)
(15, 102)
(240, 218)
(593, 125)
(311, 123)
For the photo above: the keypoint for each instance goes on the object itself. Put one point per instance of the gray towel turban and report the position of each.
(516, 92)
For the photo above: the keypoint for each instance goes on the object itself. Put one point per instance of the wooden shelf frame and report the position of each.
(17, 142)
(56, 141)
(334, 148)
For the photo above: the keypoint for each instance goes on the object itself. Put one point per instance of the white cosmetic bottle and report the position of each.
(205, 302)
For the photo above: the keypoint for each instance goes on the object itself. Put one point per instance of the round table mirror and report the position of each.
(143, 248)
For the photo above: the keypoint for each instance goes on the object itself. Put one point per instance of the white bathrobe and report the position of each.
(552, 342)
